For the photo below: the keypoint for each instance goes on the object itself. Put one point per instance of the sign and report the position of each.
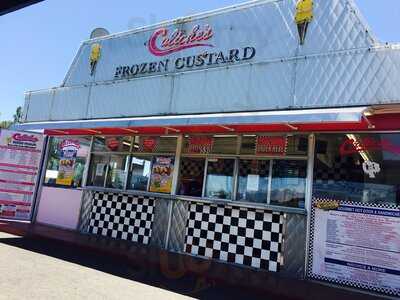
(162, 175)
(68, 150)
(271, 145)
(353, 146)
(149, 144)
(162, 43)
(371, 168)
(200, 144)
(20, 158)
(113, 143)
(356, 244)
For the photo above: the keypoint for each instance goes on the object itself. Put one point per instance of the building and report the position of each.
(264, 135)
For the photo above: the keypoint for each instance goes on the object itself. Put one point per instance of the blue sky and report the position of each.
(39, 42)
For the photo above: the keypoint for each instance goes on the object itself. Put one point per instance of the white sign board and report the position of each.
(20, 158)
(357, 245)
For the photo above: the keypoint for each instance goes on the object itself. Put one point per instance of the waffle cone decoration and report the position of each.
(94, 57)
(304, 15)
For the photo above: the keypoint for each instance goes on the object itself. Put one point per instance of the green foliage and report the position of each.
(17, 118)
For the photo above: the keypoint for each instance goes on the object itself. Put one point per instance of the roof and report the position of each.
(8, 6)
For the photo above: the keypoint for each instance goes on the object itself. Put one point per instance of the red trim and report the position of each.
(8, 202)
(17, 182)
(18, 172)
(16, 192)
(18, 166)
(380, 122)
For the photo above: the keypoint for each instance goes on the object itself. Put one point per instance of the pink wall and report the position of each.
(60, 207)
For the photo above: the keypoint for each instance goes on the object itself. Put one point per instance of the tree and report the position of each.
(17, 119)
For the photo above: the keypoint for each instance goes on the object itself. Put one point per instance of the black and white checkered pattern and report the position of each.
(254, 166)
(236, 235)
(342, 282)
(339, 171)
(191, 167)
(123, 217)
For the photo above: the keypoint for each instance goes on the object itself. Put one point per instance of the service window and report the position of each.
(358, 168)
(191, 176)
(117, 171)
(219, 180)
(140, 171)
(66, 161)
(98, 170)
(253, 180)
(288, 186)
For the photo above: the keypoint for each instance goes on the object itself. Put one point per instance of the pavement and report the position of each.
(46, 269)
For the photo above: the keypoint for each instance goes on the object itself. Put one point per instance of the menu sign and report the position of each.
(271, 145)
(357, 245)
(20, 155)
(162, 175)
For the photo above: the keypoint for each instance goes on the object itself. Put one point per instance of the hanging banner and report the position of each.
(20, 158)
(271, 145)
(162, 175)
(356, 245)
(68, 150)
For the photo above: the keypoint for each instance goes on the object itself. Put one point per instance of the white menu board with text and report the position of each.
(20, 158)
(357, 245)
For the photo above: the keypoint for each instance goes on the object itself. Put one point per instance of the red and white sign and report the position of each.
(113, 144)
(271, 145)
(200, 144)
(20, 155)
(163, 42)
(353, 146)
(149, 144)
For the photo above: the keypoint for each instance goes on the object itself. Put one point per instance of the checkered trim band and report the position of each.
(343, 282)
(236, 235)
(192, 167)
(122, 217)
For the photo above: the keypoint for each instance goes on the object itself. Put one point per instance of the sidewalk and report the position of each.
(180, 274)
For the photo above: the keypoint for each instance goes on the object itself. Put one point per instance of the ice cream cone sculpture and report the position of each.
(94, 57)
(304, 15)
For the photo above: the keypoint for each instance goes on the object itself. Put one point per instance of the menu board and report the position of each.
(162, 175)
(20, 157)
(358, 245)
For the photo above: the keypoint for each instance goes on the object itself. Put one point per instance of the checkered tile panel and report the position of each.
(236, 235)
(343, 282)
(339, 171)
(192, 167)
(259, 167)
(123, 217)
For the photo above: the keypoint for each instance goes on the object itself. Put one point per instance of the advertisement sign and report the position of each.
(162, 175)
(68, 151)
(271, 145)
(356, 244)
(20, 157)
(200, 144)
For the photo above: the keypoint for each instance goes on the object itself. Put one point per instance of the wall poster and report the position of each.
(355, 245)
(20, 159)
(162, 175)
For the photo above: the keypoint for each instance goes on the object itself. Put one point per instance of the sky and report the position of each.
(40, 42)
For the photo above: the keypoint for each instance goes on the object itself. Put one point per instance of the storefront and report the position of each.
(244, 135)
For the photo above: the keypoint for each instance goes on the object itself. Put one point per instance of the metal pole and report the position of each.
(178, 154)
(309, 190)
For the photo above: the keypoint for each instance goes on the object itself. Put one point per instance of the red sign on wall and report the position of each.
(200, 144)
(271, 145)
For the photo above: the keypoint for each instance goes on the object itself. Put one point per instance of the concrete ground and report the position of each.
(45, 269)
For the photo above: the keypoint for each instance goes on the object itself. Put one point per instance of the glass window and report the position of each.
(219, 182)
(66, 162)
(288, 184)
(117, 171)
(155, 144)
(139, 173)
(253, 180)
(202, 144)
(98, 170)
(296, 145)
(112, 144)
(191, 176)
(358, 168)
